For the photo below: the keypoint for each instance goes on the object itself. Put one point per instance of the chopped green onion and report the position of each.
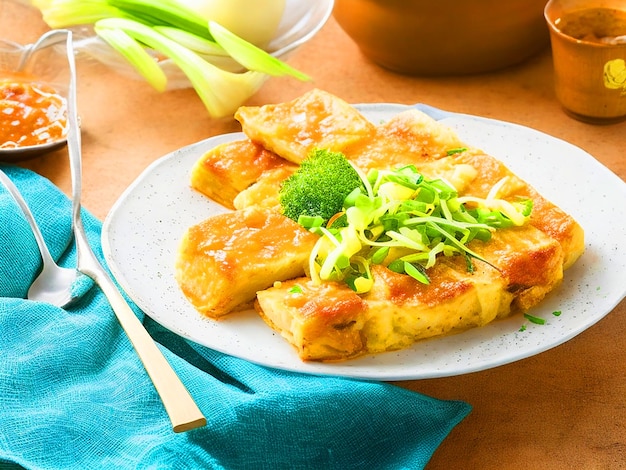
(406, 221)
(416, 271)
(533, 319)
(557, 313)
(309, 221)
(379, 255)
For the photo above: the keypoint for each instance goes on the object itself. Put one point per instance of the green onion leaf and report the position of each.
(61, 14)
(251, 56)
(164, 12)
(309, 221)
(192, 41)
(221, 92)
(379, 255)
(136, 55)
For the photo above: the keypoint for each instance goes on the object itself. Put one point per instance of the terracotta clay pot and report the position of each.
(445, 37)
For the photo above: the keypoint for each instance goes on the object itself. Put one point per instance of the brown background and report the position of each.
(562, 409)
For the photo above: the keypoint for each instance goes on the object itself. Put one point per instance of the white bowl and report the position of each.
(301, 20)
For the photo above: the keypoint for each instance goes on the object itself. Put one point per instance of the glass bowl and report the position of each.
(32, 72)
(301, 20)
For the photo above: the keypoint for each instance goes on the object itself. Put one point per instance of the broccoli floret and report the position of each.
(319, 187)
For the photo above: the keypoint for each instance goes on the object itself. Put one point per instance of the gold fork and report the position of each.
(180, 406)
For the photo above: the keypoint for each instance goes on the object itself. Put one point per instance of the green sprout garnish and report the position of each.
(533, 319)
(295, 289)
(396, 218)
(456, 150)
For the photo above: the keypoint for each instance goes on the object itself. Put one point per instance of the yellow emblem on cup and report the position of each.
(615, 75)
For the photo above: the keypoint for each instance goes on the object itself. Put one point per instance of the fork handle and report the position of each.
(179, 405)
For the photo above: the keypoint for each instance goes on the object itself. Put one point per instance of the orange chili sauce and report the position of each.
(31, 113)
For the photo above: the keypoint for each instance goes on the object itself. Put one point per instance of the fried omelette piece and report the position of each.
(293, 129)
(330, 322)
(545, 216)
(227, 169)
(223, 261)
(278, 135)
(408, 137)
(322, 321)
(265, 192)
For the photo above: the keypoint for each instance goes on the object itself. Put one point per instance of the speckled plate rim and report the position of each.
(142, 231)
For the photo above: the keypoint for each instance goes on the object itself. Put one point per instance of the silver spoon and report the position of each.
(54, 284)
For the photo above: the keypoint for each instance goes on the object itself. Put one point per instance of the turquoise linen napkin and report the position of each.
(73, 394)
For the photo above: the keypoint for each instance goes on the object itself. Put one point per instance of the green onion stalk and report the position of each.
(203, 49)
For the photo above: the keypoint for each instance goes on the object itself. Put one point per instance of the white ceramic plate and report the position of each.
(142, 232)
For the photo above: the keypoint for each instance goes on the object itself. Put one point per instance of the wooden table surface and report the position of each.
(562, 409)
